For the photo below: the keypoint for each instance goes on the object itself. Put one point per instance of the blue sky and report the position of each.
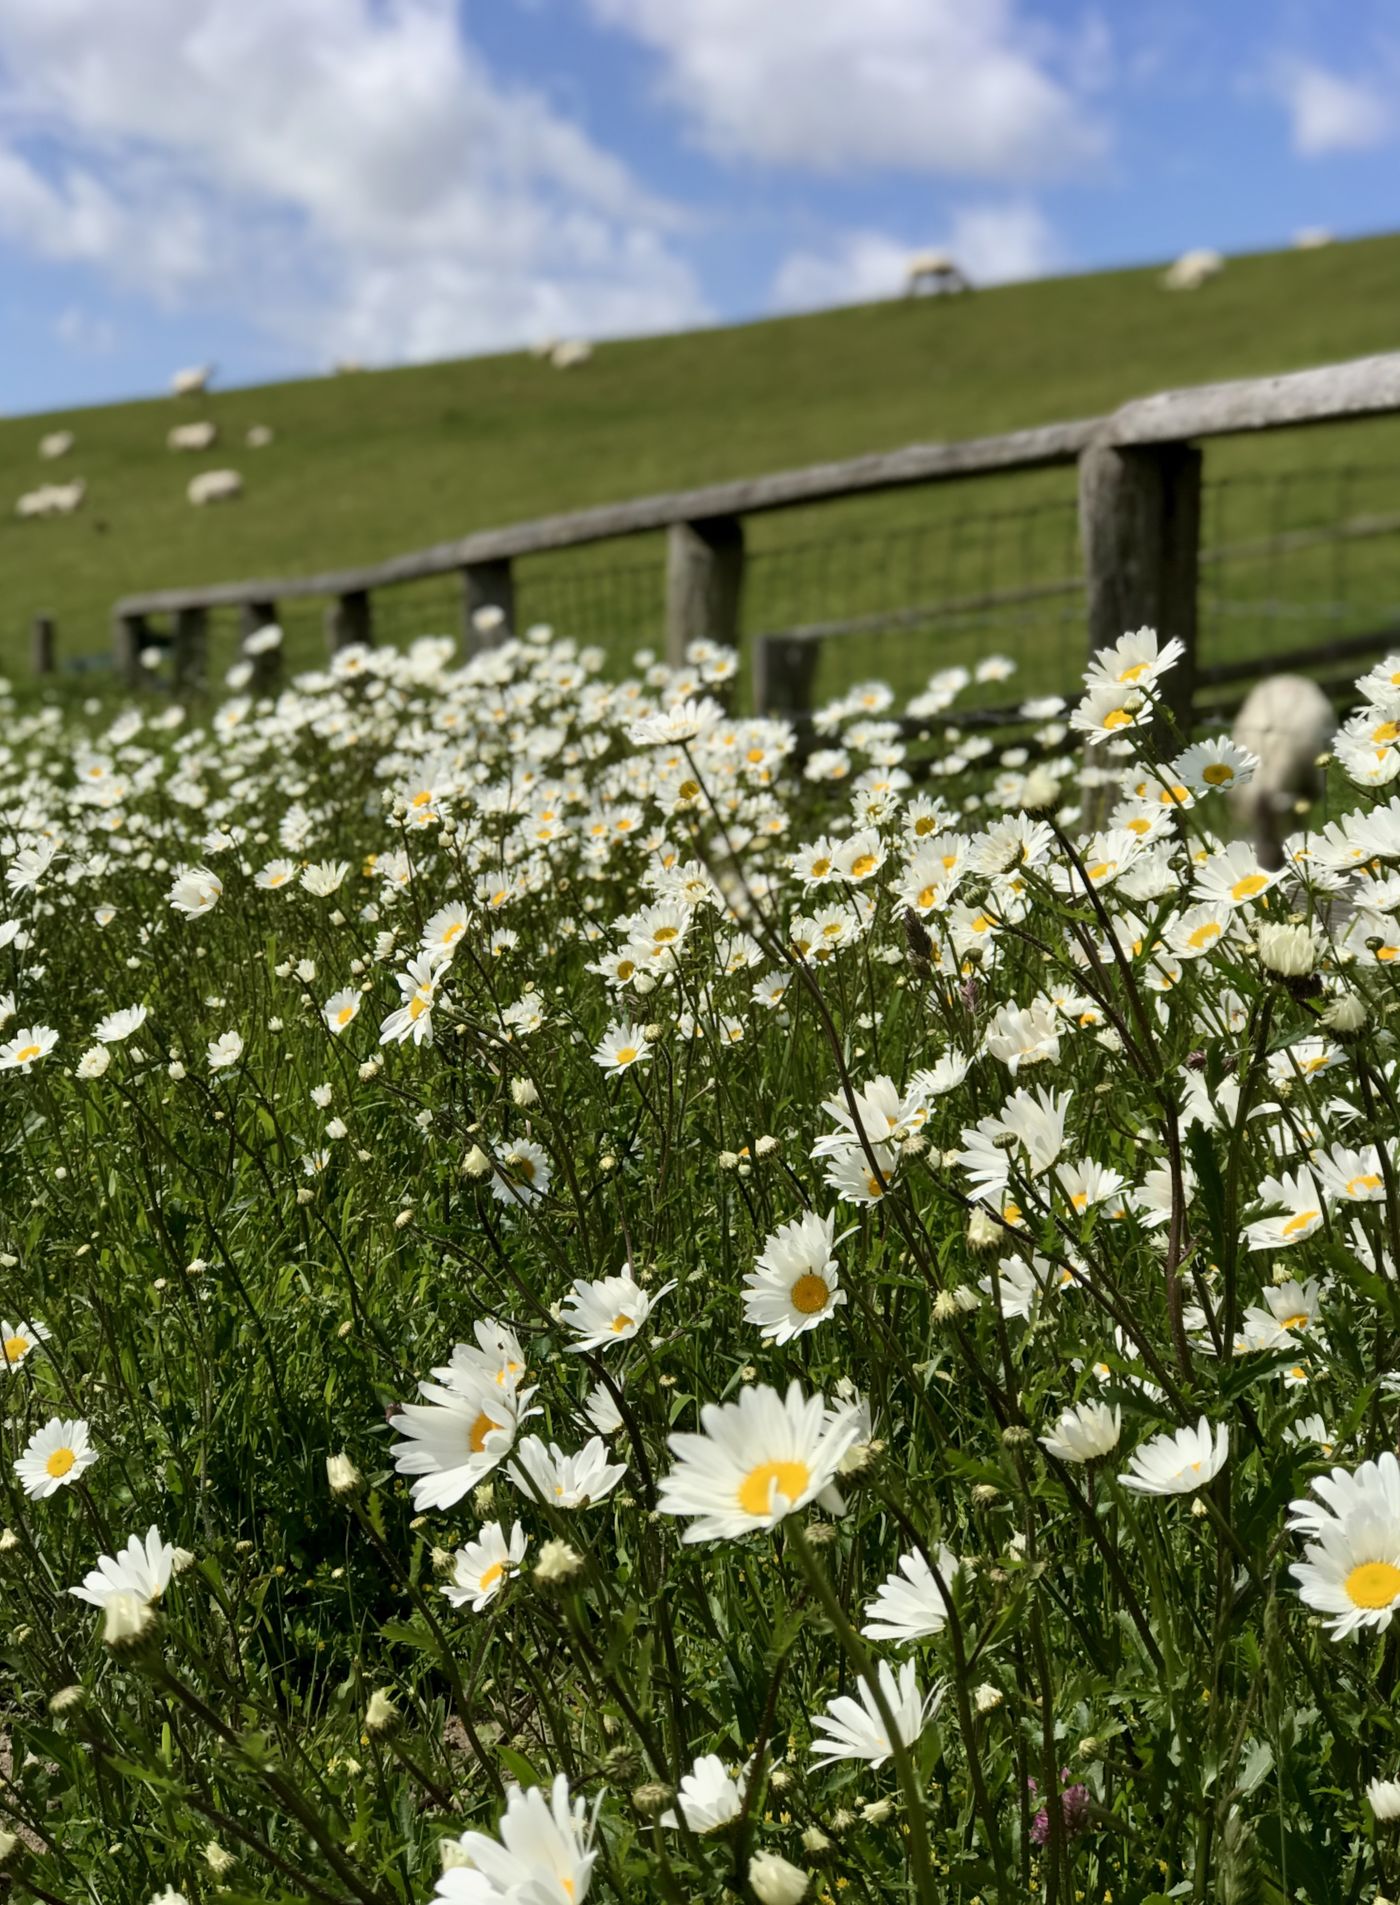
(275, 185)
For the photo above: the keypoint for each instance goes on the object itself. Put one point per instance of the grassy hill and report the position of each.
(367, 465)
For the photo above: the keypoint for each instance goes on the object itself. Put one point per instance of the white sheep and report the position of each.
(1286, 722)
(192, 436)
(52, 499)
(934, 271)
(192, 382)
(56, 443)
(570, 351)
(1193, 269)
(214, 486)
(544, 347)
(259, 436)
(1312, 238)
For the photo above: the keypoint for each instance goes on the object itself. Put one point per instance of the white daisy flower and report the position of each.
(55, 1456)
(482, 1568)
(854, 1728)
(708, 1796)
(795, 1283)
(455, 1437)
(909, 1603)
(120, 1025)
(1178, 1462)
(545, 1472)
(757, 1460)
(142, 1568)
(18, 1340)
(610, 1310)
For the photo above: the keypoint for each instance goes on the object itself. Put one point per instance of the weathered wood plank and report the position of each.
(1364, 387)
(704, 581)
(1140, 516)
(41, 645)
(487, 585)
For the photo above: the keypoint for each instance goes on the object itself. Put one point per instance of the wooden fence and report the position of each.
(1139, 474)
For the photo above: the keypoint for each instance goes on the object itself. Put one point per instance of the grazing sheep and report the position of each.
(346, 367)
(56, 443)
(934, 271)
(214, 486)
(259, 436)
(52, 499)
(544, 347)
(1312, 238)
(193, 382)
(192, 436)
(1286, 721)
(570, 351)
(1193, 269)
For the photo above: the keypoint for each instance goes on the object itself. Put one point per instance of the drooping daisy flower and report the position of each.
(1085, 1432)
(795, 1284)
(1384, 1798)
(120, 1025)
(498, 1357)
(27, 1047)
(325, 877)
(142, 1568)
(1179, 1462)
(224, 1051)
(1136, 658)
(482, 1568)
(196, 891)
(854, 1728)
(757, 1460)
(545, 1472)
(413, 1019)
(909, 1603)
(341, 1009)
(1296, 1213)
(454, 1438)
(54, 1456)
(708, 1796)
(544, 1854)
(18, 1340)
(609, 1311)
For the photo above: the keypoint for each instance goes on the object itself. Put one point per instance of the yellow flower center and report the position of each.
(1118, 718)
(1386, 731)
(25, 1053)
(1356, 1185)
(1011, 1213)
(480, 1429)
(418, 1005)
(1136, 672)
(1140, 826)
(926, 897)
(1251, 884)
(820, 869)
(1174, 796)
(1298, 1322)
(1300, 1222)
(1218, 774)
(60, 1462)
(862, 865)
(345, 1014)
(810, 1294)
(1386, 953)
(490, 1576)
(454, 931)
(622, 1321)
(663, 933)
(15, 1348)
(1373, 1584)
(1203, 935)
(1101, 869)
(688, 789)
(789, 1479)
(625, 1054)
(422, 798)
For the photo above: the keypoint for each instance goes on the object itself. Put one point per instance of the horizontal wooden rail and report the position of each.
(1139, 472)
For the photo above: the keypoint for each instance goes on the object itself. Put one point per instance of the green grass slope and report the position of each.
(367, 465)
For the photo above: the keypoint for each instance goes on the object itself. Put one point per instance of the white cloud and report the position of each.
(991, 243)
(84, 333)
(1330, 113)
(345, 173)
(964, 87)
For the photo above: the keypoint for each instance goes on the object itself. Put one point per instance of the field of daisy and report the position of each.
(599, 1302)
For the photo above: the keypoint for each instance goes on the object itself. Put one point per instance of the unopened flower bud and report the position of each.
(476, 1163)
(381, 1715)
(774, 1881)
(558, 1562)
(126, 1621)
(344, 1478)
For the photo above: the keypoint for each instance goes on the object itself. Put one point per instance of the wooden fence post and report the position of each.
(348, 620)
(783, 671)
(704, 579)
(41, 645)
(189, 647)
(487, 585)
(129, 636)
(1139, 523)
